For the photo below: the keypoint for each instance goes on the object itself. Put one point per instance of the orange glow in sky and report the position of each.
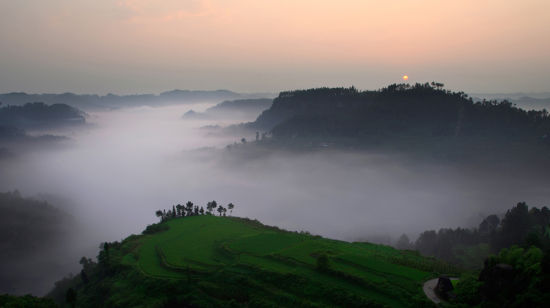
(269, 45)
(405, 77)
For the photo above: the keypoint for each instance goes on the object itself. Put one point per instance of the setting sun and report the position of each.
(405, 77)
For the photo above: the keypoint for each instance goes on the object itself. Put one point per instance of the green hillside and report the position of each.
(217, 261)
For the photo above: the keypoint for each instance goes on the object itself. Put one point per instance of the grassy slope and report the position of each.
(277, 264)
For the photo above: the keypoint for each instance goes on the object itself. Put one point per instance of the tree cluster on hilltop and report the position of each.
(190, 209)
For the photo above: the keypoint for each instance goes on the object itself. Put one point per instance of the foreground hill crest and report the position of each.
(209, 260)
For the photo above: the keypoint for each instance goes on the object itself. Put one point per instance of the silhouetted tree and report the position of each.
(403, 242)
(189, 208)
(201, 211)
(515, 226)
(230, 206)
(159, 215)
(211, 206)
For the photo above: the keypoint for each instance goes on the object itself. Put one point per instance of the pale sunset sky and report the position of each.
(149, 46)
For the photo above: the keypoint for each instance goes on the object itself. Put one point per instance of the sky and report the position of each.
(150, 46)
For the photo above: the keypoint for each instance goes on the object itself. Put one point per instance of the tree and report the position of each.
(230, 206)
(403, 242)
(160, 215)
(515, 226)
(201, 211)
(189, 208)
(211, 206)
(489, 224)
(437, 85)
(426, 242)
(173, 211)
(243, 140)
(220, 210)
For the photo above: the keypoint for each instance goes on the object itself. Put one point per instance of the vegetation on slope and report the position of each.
(469, 248)
(515, 277)
(11, 301)
(206, 260)
(33, 236)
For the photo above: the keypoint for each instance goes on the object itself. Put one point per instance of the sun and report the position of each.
(405, 77)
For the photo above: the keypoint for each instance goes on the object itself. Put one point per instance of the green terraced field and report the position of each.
(279, 264)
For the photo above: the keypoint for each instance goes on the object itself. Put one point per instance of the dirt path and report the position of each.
(428, 288)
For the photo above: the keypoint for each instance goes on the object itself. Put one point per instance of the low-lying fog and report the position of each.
(132, 162)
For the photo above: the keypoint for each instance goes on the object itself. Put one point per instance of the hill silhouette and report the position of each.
(40, 116)
(421, 118)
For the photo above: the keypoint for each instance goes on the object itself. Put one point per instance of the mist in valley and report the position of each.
(114, 174)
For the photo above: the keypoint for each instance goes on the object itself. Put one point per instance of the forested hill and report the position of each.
(34, 238)
(249, 108)
(241, 106)
(40, 115)
(398, 115)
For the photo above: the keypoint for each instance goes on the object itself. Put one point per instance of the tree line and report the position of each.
(190, 209)
(520, 225)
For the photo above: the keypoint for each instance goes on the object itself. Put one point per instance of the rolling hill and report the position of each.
(40, 115)
(208, 260)
(241, 108)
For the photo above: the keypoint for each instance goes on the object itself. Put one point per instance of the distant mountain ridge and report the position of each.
(112, 101)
